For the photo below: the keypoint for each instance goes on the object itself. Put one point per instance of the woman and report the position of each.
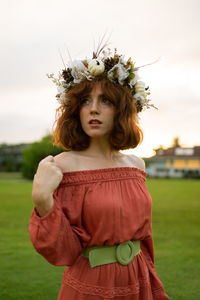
(92, 208)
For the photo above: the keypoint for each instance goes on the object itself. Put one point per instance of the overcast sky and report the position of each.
(32, 32)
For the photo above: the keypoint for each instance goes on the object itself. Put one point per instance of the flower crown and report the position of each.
(113, 67)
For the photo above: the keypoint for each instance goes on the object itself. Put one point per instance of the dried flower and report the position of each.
(114, 67)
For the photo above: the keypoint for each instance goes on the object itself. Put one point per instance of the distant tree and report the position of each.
(158, 150)
(35, 152)
(9, 164)
(176, 142)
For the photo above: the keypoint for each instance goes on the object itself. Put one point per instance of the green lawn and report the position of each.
(24, 274)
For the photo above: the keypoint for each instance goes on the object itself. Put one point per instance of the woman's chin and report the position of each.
(96, 134)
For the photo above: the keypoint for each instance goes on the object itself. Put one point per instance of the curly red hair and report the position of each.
(125, 134)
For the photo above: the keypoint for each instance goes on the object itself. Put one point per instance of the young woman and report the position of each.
(92, 208)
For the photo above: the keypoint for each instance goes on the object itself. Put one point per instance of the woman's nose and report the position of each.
(94, 106)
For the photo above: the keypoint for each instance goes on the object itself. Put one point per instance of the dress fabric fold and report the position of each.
(94, 208)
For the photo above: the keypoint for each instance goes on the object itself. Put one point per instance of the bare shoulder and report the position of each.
(64, 161)
(138, 162)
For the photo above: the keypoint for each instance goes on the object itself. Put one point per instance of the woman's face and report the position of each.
(97, 106)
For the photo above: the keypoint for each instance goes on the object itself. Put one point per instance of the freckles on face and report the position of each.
(97, 106)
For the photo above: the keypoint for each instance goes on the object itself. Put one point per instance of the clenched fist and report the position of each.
(46, 180)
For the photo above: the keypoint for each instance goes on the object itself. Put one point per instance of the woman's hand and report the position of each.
(46, 180)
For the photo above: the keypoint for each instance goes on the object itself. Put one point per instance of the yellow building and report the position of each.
(174, 162)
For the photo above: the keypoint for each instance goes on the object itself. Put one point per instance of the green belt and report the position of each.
(122, 253)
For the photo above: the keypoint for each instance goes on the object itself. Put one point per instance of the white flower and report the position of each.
(122, 61)
(79, 71)
(119, 72)
(61, 97)
(96, 67)
(60, 89)
(133, 81)
(139, 97)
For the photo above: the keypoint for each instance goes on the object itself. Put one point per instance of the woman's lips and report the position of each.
(95, 121)
(94, 124)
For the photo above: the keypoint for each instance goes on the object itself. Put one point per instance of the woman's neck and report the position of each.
(103, 155)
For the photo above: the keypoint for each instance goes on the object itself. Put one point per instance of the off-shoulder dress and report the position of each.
(100, 207)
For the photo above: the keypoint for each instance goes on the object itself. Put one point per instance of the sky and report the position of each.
(34, 32)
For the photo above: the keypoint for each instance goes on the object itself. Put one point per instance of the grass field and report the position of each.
(25, 275)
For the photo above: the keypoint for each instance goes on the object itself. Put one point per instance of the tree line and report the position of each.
(25, 157)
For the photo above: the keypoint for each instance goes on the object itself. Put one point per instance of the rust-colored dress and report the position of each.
(100, 207)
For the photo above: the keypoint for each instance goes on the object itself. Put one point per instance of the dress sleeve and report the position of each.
(147, 248)
(59, 239)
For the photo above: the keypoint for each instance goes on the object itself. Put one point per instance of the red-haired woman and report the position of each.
(92, 208)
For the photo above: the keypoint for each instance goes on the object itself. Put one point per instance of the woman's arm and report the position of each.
(50, 230)
(55, 238)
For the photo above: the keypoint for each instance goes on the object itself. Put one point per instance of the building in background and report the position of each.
(176, 161)
(11, 157)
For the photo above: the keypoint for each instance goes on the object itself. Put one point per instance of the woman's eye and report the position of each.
(83, 101)
(106, 100)
(103, 99)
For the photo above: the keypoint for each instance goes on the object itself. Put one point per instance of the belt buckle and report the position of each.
(122, 252)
